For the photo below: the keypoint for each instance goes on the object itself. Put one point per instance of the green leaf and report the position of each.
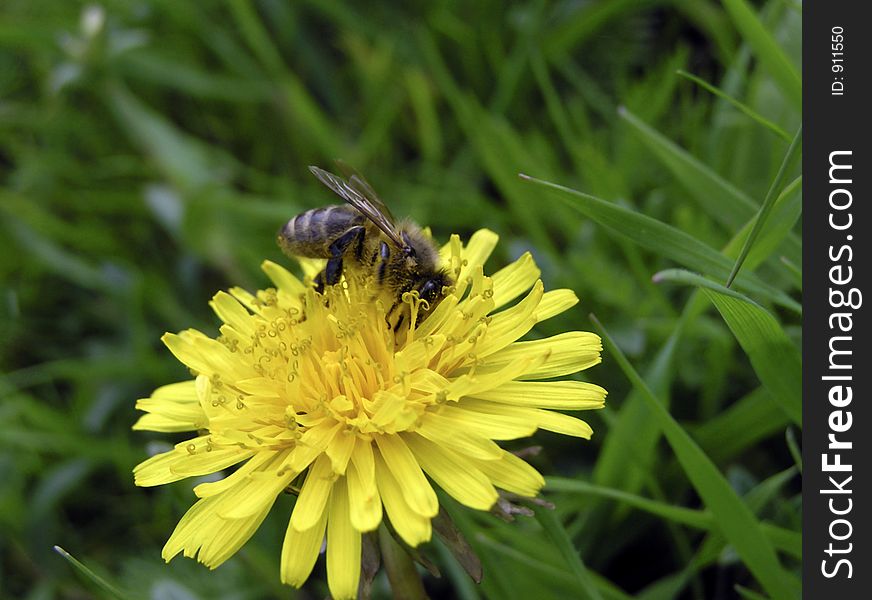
(663, 239)
(732, 516)
(744, 423)
(774, 357)
(748, 594)
(101, 583)
(184, 160)
(549, 522)
(678, 514)
(782, 539)
(785, 213)
(794, 271)
(188, 79)
(721, 200)
(768, 203)
(535, 564)
(744, 108)
(633, 435)
(793, 445)
(767, 50)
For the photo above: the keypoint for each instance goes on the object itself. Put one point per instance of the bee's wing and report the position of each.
(371, 207)
(361, 185)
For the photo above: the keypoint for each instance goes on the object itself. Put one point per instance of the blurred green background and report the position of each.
(149, 151)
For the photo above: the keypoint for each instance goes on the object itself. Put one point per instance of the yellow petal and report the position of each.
(478, 249)
(284, 279)
(473, 383)
(206, 356)
(212, 488)
(311, 266)
(233, 313)
(560, 423)
(158, 422)
(392, 412)
(201, 533)
(261, 386)
(413, 528)
(340, 449)
(513, 280)
(172, 407)
(313, 497)
(259, 489)
(438, 318)
(554, 303)
(510, 324)
(231, 537)
(512, 474)
(465, 327)
(187, 459)
(365, 501)
(473, 256)
(364, 461)
(453, 473)
(569, 395)
(405, 469)
(343, 547)
(442, 431)
(192, 524)
(300, 551)
(489, 424)
(544, 419)
(365, 506)
(568, 353)
(313, 442)
(245, 297)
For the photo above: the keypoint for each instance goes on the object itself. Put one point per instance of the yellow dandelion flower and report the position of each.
(321, 395)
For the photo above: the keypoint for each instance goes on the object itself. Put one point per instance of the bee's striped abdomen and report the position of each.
(310, 233)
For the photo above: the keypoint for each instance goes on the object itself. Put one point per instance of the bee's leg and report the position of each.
(398, 303)
(384, 253)
(333, 270)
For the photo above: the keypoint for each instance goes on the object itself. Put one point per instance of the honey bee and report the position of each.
(362, 234)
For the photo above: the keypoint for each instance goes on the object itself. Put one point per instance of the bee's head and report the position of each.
(418, 249)
(431, 288)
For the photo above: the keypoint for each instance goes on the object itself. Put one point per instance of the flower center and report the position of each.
(349, 374)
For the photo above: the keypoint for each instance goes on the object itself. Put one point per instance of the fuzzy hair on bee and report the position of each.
(362, 235)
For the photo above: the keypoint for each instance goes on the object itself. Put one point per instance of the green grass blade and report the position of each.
(549, 522)
(767, 490)
(531, 564)
(101, 583)
(663, 239)
(678, 514)
(774, 191)
(177, 75)
(633, 435)
(767, 50)
(748, 594)
(254, 32)
(183, 159)
(783, 539)
(793, 445)
(774, 357)
(794, 271)
(744, 108)
(732, 516)
(721, 200)
(789, 542)
(753, 418)
(785, 213)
